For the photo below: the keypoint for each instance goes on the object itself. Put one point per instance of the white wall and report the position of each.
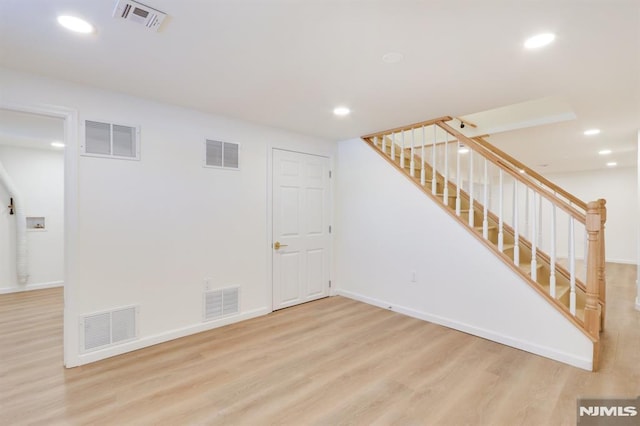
(149, 232)
(638, 233)
(619, 187)
(39, 176)
(459, 282)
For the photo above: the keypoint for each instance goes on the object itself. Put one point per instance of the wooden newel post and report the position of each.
(602, 279)
(592, 307)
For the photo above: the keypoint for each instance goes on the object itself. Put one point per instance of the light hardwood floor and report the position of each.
(334, 361)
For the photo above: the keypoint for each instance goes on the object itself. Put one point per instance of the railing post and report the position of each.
(592, 307)
(422, 171)
(552, 263)
(485, 212)
(445, 191)
(434, 179)
(471, 209)
(393, 147)
(500, 213)
(602, 277)
(458, 182)
(402, 154)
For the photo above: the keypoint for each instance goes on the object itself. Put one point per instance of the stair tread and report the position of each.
(481, 227)
(526, 266)
(442, 195)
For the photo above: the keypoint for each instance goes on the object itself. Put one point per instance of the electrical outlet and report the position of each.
(207, 284)
(413, 276)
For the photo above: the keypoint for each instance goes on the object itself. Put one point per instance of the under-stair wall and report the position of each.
(397, 249)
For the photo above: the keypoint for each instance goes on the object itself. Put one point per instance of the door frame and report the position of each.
(328, 153)
(70, 119)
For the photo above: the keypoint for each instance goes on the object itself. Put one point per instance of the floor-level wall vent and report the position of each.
(220, 303)
(104, 329)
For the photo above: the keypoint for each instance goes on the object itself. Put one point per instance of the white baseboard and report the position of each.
(31, 287)
(163, 337)
(623, 261)
(584, 363)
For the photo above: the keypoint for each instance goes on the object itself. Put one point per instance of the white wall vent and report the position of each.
(139, 13)
(104, 329)
(221, 303)
(110, 140)
(219, 154)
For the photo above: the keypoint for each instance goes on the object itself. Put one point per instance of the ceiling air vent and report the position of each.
(139, 13)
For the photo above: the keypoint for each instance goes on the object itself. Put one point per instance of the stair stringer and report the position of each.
(543, 258)
(390, 229)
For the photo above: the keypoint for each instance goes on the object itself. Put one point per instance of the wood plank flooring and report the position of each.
(331, 362)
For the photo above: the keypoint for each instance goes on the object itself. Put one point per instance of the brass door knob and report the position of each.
(277, 245)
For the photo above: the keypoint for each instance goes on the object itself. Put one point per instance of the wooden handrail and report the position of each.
(575, 200)
(511, 169)
(429, 144)
(409, 127)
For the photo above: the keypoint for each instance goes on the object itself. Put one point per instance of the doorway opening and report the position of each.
(34, 221)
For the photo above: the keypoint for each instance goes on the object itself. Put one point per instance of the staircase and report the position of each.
(549, 237)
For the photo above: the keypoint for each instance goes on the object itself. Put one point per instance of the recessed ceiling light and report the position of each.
(341, 111)
(591, 132)
(539, 40)
(612, 164)
(463, 150)
(392, 57)
(604, 152)
(57, 144)
(75, 24)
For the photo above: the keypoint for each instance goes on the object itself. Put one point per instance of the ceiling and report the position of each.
(287, 63)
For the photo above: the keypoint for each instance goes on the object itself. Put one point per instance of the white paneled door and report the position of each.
(301, 234)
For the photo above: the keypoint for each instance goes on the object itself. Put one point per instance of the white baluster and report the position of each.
(586, 250)
(540, 233)
(516, 235)
(458, 200)
(572, 267)
(412, 165)
(422, 172)
(375, 141)
(471, 210)
(384, 144)
(393, 147)
(525, 233)
(445, 192)
(485, 218)
(552, 266)
(402, 155)
(500, 213)
(434, 180)
(534, 237)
